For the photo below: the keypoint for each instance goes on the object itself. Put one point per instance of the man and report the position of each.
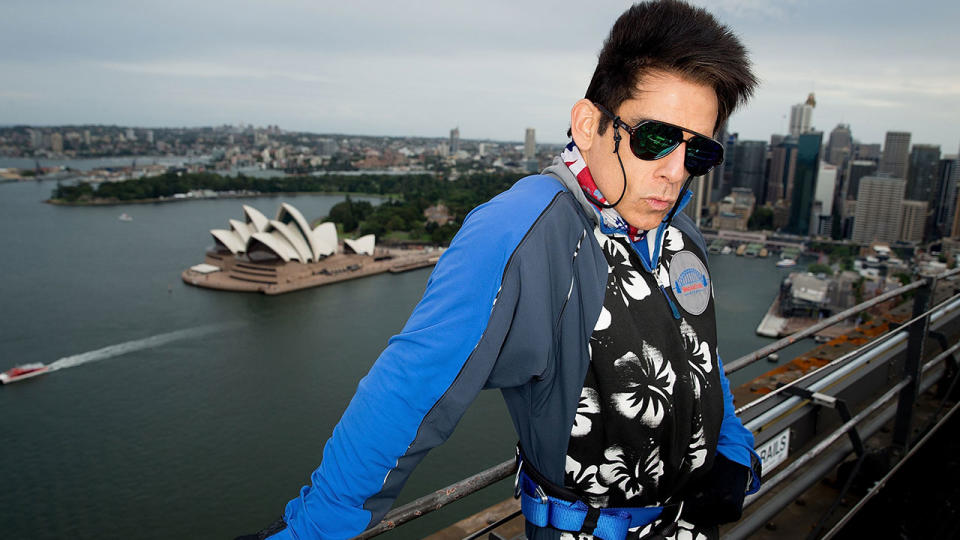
(583, 294)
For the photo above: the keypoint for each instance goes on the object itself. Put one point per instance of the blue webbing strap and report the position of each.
(611, 523)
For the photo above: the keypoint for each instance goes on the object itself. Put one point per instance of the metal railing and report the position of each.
(782, 403)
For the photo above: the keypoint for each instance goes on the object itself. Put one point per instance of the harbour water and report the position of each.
(188, 413)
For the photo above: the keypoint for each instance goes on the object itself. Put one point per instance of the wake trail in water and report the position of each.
(137, 345)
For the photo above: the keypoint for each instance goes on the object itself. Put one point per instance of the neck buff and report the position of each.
(611, 218)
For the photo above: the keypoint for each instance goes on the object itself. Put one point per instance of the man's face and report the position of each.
(652, 186)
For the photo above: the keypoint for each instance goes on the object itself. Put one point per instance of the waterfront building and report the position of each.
(857, 169)
(805, 183)
(750, 166)
(801, 116)
(839, 146)
(803, 294)
(783, 166)
(879, 209)
(734, 210)
(896, 147)
(913, 221)
(56, 142)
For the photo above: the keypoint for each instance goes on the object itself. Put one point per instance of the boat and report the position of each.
(25, 371)
(726, 250)
(786, 263)
(125, 217)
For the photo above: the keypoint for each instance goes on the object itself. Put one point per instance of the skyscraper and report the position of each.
(454, 140)
(801, 115)
(922, 172)
(896, 147)
(824, 198)
(879, 209)
(530, 144)
(913, 221)
(749, 168)
(840, 145)
(805, 183)
(856, 170)
(783, 166)
(946, 199)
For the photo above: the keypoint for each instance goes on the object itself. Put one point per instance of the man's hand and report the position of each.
(718, 497)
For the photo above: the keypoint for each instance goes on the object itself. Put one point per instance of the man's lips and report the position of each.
(659, 204)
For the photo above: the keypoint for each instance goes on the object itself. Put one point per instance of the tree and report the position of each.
(762, 218)
(817, 268)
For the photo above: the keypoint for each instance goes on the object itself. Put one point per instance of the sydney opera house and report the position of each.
(284, 254)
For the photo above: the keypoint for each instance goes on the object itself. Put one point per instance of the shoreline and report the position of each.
(158, 200)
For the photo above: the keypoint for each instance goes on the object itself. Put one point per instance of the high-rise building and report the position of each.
(913, 221)
(56, 142)
(149, 136)
(783, 166)
(729, 165)
(922, 172)
(530, 144)
(131, 136)
(717, 174)
(840, 145)
(805, 183)
(896, 147)
(750, 166)
(879, 209)
(870, 152)
(694, 207)
(857, 169)
(824, 198)
(454, 141)
(946, 200)
(801, 115)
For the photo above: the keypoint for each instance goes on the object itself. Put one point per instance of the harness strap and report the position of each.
(605, 523)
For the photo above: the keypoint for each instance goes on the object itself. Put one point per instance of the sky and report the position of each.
(491, 68)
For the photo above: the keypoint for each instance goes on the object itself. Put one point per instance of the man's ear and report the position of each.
(584, 121)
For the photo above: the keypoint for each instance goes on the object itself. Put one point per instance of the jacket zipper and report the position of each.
(663, 289)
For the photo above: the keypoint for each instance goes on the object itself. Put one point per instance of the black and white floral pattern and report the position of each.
(649, 411)
(649, 384)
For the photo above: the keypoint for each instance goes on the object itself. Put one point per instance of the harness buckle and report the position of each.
(540, 493)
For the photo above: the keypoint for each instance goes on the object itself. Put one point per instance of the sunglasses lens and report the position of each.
(653, 140)
(702, 155)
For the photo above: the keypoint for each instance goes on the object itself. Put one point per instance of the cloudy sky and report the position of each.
(492, 68)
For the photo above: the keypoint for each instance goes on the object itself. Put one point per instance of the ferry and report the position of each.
(23, 372)
(786, 263)
(125, 217)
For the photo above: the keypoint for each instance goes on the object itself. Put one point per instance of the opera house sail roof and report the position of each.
(287, 237)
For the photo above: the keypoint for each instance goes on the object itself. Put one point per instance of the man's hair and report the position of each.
(671, 36)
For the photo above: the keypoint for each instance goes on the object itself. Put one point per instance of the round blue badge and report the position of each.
(690, 282)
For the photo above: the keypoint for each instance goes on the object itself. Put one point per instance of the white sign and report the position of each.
(774, 452)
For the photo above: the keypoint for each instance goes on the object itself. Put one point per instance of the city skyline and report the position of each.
(371, 69)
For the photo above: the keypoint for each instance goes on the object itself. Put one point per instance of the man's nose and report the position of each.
(674, 169)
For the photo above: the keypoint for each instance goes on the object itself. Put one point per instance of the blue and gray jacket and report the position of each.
(510, 305)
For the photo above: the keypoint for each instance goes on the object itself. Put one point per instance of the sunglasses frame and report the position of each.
(617, 122)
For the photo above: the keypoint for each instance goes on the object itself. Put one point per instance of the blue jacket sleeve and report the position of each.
(736, 442)
(424, 380)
